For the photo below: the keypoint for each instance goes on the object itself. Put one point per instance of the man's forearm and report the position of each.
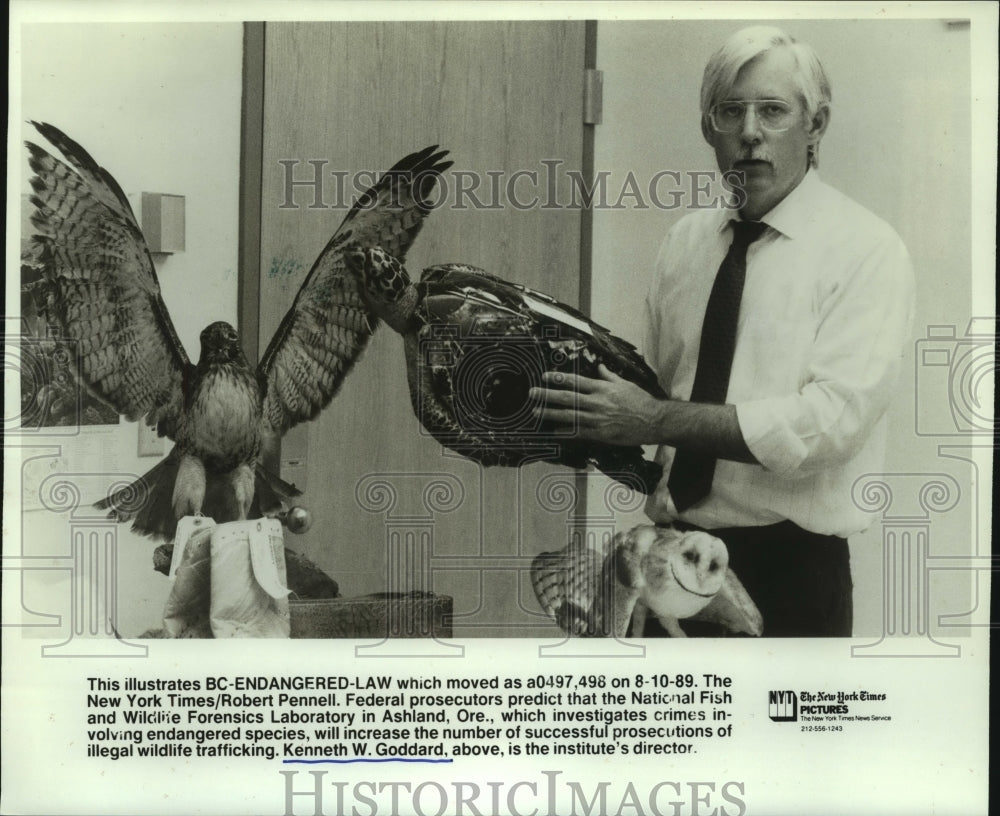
(619, 412)
(710, 429)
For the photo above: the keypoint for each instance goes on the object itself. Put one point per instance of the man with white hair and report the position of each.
(777, 329)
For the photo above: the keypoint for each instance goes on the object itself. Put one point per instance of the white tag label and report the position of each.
(186, 527)
(267, 554)
(556, 313)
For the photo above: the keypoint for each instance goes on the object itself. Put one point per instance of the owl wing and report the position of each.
(733, 608)
(574, 587)
(329, 325)
(101, 291)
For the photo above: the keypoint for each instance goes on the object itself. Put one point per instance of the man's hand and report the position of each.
(609, 409)
(618, 412)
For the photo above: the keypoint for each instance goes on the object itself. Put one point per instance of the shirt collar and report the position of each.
(793, 213)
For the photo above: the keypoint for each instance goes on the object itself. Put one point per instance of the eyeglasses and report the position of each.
(772, 114)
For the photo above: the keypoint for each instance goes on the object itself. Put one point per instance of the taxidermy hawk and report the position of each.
(102, 295)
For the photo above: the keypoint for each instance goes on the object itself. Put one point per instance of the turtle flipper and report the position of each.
(439, 271)
(628, 466)
(430, 400)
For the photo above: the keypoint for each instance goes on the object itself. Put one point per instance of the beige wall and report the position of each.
(502, 96)
(898, 143)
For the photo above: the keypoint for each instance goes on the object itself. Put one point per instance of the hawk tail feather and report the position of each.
(148, 501)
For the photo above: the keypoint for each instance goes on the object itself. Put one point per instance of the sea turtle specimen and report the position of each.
(475, 344)
(649, 569)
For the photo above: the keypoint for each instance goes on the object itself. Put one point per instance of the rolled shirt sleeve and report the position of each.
(850, 376)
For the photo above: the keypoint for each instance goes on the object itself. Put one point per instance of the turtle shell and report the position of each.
(479, 344)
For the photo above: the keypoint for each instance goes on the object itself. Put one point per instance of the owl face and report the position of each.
(676, 573)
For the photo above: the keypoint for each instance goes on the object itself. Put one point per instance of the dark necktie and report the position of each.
(691, 475)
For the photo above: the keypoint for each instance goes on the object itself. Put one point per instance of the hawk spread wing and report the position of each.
(103, 296)
(329, 324)
(102, 292)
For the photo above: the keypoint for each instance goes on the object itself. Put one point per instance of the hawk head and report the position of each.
(220, 343)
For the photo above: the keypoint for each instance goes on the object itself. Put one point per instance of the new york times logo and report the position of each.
(783, 706)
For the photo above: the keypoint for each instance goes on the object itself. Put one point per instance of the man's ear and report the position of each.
(707, 132)
(818, 124)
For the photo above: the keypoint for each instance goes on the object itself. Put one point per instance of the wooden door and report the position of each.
(392, 509)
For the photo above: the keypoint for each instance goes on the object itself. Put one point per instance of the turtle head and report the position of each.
(385, 284)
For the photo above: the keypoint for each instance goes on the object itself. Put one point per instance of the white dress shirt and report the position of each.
(826, 313)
